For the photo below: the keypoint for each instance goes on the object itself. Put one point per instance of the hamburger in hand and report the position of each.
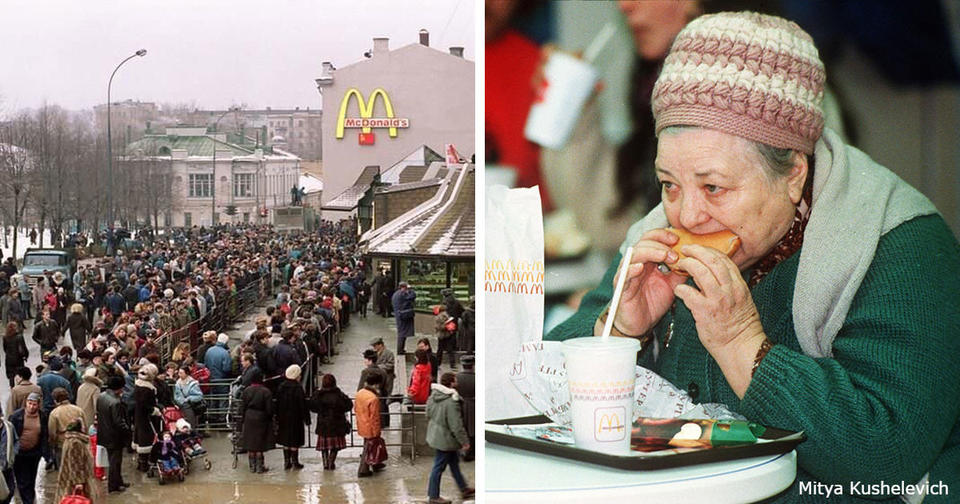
(724, 241)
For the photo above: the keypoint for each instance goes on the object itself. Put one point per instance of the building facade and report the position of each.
(379, 110)
(297, 130)
(214, 180)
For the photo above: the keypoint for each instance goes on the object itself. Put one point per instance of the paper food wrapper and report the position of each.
(538, 372)
(513, 291)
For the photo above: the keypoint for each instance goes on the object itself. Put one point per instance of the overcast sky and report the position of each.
(209, 53)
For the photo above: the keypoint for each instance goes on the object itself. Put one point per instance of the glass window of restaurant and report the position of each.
(430, 276)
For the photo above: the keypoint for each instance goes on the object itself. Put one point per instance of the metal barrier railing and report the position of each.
(411, 413)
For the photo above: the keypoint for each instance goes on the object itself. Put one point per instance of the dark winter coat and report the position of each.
(145, 400)
(256, 413)
(46, 334)
(15, 352)
(331, 406)
(403, 311)
(78, 328)
(285, 355)
(113, 426)
(292, 414)
(369, 370)
(466, 387)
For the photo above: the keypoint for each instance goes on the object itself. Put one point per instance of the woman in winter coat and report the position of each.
(256, 418)
(87, 395)
(187, 395)
(331, 406)
(145, 404)
(14, 350)
(292, 415)
(76, 466)
(77, 326)
(419, 389)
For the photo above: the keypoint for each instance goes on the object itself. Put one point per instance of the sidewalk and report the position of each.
(399, 482)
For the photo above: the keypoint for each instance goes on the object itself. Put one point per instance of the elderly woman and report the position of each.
(839, 313)
(188, 396)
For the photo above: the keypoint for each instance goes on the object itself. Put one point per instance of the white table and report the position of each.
(514, 475)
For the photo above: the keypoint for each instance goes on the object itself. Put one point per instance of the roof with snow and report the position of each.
(351, 196)
(442, 226)
(310, 183)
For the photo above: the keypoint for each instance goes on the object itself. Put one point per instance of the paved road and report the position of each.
(401, 482)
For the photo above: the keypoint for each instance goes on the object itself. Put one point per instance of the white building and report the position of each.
(212, 177)
(379, 110)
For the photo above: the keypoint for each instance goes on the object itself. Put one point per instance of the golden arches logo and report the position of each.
(609, 423)
(366, 120)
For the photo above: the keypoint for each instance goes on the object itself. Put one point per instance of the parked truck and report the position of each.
(36, 261)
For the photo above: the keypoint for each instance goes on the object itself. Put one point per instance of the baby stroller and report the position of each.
(187, 442)
(166, 459)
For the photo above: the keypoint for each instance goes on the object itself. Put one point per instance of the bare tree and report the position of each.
(15, 168)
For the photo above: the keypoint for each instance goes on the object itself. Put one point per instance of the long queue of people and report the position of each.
(101, 363)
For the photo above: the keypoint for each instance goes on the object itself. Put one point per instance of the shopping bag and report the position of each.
(102, 460)
(77, 497)
(513, 293)
(376, 452)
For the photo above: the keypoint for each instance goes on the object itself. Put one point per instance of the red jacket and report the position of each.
(419, 389)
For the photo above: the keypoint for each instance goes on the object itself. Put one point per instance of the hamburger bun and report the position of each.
(724, 241)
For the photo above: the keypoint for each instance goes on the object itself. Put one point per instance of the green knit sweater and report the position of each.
(885, 408)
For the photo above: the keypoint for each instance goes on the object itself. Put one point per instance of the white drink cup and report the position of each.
(568, 83)
(601, 374)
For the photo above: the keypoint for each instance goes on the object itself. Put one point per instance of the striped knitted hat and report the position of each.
(747, 74)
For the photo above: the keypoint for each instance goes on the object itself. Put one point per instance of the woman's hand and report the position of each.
(647, 293)
(727, 321)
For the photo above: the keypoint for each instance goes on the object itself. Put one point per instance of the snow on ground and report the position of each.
(23, 242)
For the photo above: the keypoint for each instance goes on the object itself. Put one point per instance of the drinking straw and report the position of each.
(598, 42)
(615, 302)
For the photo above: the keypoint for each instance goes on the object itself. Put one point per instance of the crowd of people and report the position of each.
(131, 355)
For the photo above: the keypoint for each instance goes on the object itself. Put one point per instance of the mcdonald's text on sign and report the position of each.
(366, 122)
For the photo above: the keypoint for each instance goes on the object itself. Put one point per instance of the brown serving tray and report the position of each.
(640, 461)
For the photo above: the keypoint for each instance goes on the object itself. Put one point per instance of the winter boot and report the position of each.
(333, 459)
(295, 459)
(287, 460)
(261, 467)
(253, 462)
(326, 459)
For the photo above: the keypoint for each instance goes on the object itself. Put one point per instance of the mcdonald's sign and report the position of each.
(366, 121)
(610, 423)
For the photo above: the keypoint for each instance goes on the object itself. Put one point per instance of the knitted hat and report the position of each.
(223, 338)
(293, 372)
(746, 74)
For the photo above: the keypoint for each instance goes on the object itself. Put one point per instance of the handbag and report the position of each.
(376, 451)
(77, 497)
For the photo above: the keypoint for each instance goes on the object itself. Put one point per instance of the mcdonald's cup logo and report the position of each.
(366, 122)
(610, 423)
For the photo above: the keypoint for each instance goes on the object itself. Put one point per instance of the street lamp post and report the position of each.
(213, 180)
(141, 52)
